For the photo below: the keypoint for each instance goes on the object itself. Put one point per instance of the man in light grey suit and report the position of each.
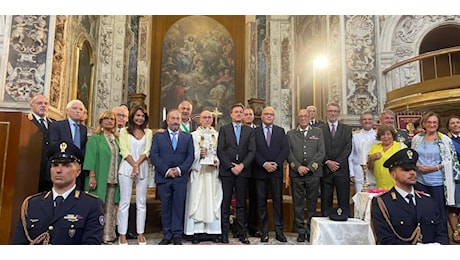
(306, 154)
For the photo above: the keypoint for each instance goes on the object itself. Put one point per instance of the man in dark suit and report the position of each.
(253, 219)
(312, 112)
(236, 149)
(64, 215)
(336, 172)
(71, 131)
(272, 149)
(306, 155)
(172, 154)
(187, 125)
(404, 216)
(39, 105)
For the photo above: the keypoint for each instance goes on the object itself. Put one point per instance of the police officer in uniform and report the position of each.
(404, 215)
(64, 215)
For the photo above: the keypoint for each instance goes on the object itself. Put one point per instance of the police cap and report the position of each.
(64, 152)
(338, 214)
(404, 157)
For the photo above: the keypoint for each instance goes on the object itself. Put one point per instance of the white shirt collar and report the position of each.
(65, 194)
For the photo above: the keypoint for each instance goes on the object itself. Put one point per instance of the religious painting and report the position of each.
(198, 65)
(84, 76)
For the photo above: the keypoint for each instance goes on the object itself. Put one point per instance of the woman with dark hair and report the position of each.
(380, 152)
(102, 160)
(438, 167)
(453, 211)
(135, 143)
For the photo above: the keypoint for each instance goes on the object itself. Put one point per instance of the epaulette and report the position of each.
(393, 195)
(419, 193)
(356, 131)
(92, 195)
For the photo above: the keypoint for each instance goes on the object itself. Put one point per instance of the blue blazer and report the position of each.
(278, 152)
(163, 155)
(60, 131)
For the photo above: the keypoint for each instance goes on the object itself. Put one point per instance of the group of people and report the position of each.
(200, 171)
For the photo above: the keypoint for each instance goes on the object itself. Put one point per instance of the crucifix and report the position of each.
(216, 114)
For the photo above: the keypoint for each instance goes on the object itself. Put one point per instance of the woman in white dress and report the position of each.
(135, 143)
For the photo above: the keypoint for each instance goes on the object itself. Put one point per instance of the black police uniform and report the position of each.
(401, 222)
(78, 220)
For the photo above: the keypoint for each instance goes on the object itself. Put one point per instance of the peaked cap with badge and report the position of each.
(406, 156)
(64, 152)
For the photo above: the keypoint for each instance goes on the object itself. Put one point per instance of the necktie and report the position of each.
(42, 121)
(333, 130)
(57, 202)
(174, 140)
(269, 136)
(312, 122)
(237, 133)
(76, 135)
(411, 201)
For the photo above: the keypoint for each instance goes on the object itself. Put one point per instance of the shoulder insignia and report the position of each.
(92, 195)
(77, 194)
(393, 195)
(101, 220)
(314, 165)
(293, 165)
(47, 194)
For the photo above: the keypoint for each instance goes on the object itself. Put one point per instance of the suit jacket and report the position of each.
(78, 221)
(60, 131)
(163, 155)
(307, 150)
(403, 220)
(44, 165)
(277, 152)
(228, 151)
(338, 148)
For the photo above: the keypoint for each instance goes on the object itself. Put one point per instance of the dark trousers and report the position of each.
(253, 223)
(275, 187)
(305, 191)
(231, 184)
(341, 184)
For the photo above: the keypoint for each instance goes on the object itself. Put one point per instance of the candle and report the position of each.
(164, 113)
(363, 152)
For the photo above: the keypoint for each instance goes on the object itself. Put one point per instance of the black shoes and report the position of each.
(130, 235)
(280, 237)
(301, 238)
(224, 239)
(177, 241)
(244, 239)
(264, 238)
(195, 240)
(165, 242)
(255, 234)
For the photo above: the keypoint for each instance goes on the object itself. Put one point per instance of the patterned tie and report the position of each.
(237, 133)
(42, 121)
(333, 130)
(174, 140)
(57, 202)
(269, 136)
(76, 135)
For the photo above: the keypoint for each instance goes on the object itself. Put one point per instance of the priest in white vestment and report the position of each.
(204, 190)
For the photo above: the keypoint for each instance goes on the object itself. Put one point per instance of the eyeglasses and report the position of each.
(333, 111)
(109, 118)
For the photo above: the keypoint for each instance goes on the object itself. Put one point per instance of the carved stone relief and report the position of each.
(59, 59)
(26, 64)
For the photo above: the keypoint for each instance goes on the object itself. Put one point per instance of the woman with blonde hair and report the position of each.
(135, 143)
(438, 167)
(102, 160)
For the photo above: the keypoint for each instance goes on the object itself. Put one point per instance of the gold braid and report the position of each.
(44, 237)
(416, 235)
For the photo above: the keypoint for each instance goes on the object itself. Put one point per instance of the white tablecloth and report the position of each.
(351, 232)
(362, 201)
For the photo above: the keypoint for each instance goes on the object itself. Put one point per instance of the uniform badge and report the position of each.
(315, 165)
(101, 220)
(72, 231)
